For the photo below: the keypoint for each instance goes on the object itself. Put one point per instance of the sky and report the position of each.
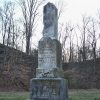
(72, 11)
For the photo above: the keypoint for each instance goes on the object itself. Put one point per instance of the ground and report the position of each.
(14, 95)
(92, 94)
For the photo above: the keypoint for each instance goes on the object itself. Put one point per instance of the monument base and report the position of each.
(49, 73)
(48, 89)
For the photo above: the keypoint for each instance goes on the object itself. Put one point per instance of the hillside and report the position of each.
(83, 74)
(16, 69)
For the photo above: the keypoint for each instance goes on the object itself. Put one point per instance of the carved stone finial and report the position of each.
(50, 21)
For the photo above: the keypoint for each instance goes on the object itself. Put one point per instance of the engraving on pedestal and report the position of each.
(49, 89)
(46, 54)
(49, 58)
(49, 53)
(48, 73)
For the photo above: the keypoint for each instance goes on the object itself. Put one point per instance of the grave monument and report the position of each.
(49, 83)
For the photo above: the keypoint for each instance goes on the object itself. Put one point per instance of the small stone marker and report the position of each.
(49, 84)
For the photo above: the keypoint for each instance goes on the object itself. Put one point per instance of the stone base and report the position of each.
(48, 89)
(49, 73)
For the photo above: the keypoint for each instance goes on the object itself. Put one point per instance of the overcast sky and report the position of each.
(72, 10)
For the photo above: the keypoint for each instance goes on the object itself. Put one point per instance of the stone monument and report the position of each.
(49, 84)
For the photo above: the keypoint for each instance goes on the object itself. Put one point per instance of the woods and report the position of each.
(80, 42)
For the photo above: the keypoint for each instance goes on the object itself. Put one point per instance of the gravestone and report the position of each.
(49, 84)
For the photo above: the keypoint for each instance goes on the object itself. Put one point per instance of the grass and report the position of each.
(14, 95)
(91, 94)
(73, 94)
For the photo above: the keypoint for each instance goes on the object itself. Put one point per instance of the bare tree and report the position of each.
(67, 36)
(92, 37)
(4, 19)
(30, 14)
(69, 31)
(8, 24)
(83, 30)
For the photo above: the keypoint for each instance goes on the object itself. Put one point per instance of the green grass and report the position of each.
(14, 95)
(73, 94)
(91, 94)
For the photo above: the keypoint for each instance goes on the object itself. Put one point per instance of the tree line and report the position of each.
(79, 42)
(17, 32)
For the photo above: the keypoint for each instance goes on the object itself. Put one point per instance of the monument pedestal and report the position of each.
(49, 89)
(48, 84)
(50, 73)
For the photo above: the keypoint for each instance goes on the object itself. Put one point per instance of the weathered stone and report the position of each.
(48, 84)
(49, 89)
(49, 53)
(50, 20)
(50, 73)
(49, 57)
